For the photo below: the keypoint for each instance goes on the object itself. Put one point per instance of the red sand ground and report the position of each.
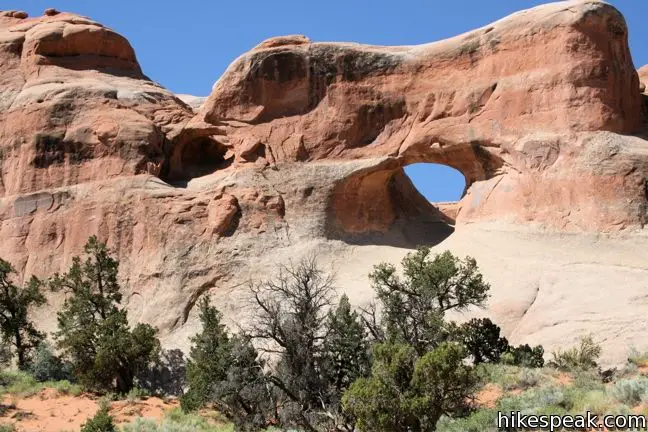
(49, 411)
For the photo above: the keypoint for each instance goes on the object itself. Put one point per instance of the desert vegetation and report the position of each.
(307, 360)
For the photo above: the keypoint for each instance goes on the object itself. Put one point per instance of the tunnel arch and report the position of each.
(438, 183)
(380, 204)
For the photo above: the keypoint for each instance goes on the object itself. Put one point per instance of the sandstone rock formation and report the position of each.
(507, 120)
(195, 102)
(643, 75)
(301, 147)
(643, 87)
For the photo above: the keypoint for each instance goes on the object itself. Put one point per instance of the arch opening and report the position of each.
(196, 158)
(437, 182)
(441, 185)
(382, 205)
(201, 157)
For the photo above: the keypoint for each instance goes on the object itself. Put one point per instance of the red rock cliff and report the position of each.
(541, 112)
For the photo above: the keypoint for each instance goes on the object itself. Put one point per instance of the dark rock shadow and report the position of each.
(405, 234)
(416, 222)
(167, 376)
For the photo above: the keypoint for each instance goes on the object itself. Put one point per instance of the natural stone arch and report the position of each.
(438, 183)
(520, 128)
(550, 95)
(379, 204)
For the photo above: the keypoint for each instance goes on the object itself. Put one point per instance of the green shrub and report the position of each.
(16, 326)
(525, 356)
(528, 378)
(503, 375)
(627, 371)
(5, 354)
(483, 420)
(588, 380)
(551, 410)
(64, 387)
(149, 425)
(225, 372)
(102, 420)
(176, 415)
(637, 358)
(166, 375)
(595, 401)
(560, 400)
(510, 377)
(620, 409)
(93, 330)
(137, 393)
(552, 399)
(414, 305)
(46, 366)
(112, 396)
(583, 356)
(630, 391)
(141, 424)
(482, 340)
(7, 428)
(23, 384)
(18, 383)
(536, 399)
(408, 392)
(346, 349)
(176, 421)
(587, 392)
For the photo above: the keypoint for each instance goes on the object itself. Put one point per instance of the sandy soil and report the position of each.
(488, 396)
(49, 411)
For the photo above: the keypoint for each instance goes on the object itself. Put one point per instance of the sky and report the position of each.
(186, 45)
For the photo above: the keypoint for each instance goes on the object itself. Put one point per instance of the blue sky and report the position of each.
(186, 45)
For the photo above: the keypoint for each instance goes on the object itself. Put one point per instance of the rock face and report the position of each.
(643, 87)
(643, 75)
(508, 105)
(195, 102)
(301, 147)
(76, 107)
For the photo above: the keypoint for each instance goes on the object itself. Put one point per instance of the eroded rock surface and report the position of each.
(508, 105)
(643, 77)
(195, 102)
(301, 147)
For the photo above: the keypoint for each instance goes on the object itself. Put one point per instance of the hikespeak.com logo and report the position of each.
(518, 421)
